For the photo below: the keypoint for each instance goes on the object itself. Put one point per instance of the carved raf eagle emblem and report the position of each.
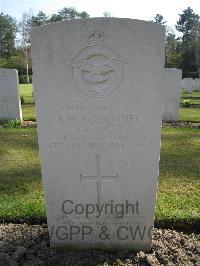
(97, 71)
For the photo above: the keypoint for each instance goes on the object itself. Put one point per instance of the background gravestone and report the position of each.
(171, 94)
(187, 84)
(97, 91)
(10, 104)
(196, 84)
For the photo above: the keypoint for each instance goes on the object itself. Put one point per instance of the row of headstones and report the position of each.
(190, 85)
(10, 104)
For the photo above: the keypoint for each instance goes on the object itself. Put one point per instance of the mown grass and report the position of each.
(179, 181)
(20, 179)
(26, 90)
(189, 114)
(21, 194)
(28, 112)
(28, 108)
(193, 97)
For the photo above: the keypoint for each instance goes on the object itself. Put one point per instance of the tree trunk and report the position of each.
(197, 57)
(27, 68)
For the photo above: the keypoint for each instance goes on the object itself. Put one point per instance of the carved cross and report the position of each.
(98, 178)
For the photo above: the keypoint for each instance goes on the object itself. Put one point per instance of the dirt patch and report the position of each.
(181, 124)
(177, 124)
(29, 245)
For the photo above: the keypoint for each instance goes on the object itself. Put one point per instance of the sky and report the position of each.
(137, 9)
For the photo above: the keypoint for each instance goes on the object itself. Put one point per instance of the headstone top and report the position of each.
(187, 84)
(196, 84)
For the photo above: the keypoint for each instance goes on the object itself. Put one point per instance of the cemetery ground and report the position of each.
(178, 205)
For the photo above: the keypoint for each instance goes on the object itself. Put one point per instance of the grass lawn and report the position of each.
(189, 114)
(20, 179)
(28, 112)
(179, 181)
(28, 108)
(26, 90)
(194, 97)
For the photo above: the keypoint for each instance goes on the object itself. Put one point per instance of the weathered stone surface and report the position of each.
(10, 104)
(186, 84)
(196, 84)
(171, 94)
(97, 91)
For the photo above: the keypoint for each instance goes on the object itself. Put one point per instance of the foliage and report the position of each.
(29, 21)
(15, 62)
(25, 30)
(11, 123)
(66, 13)
(181, 53)
(186, 103)
(158, 19)
(8, 30)
(23, 79)
(40, 19)
(107, 14)
(188, 24)
(172, 50)
(196, 44)
(194, 97)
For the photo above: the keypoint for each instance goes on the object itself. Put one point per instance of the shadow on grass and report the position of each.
(20, 180)
(18, 139)
(191, 97)
(182, 166)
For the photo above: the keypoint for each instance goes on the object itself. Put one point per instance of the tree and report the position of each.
(8, 30)
(173, 56)
(107, 14)
(188, 25)
(196, 42)
(158, 19)
(68, 13)
(25, 30)
(14, 62)
(40, 19)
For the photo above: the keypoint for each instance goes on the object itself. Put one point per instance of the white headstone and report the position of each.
(186, 84)
(171, 94)
(196, 84)
(97, 91)
(10, 104)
